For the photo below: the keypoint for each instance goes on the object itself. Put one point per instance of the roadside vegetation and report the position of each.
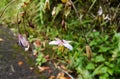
(80, 37)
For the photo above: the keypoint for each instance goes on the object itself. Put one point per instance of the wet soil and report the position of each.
(13, 62)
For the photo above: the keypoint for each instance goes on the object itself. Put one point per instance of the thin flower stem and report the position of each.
(24, 24)
(117, 9)
(91, 6)
(18, 26)
(74, 8)
(26, 15)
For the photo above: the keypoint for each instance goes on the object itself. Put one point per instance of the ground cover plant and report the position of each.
(80, 37)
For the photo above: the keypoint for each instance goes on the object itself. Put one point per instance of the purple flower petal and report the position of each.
(66, 41)
(23, 42)
(54, 42)
(68, 46)
(61, 43)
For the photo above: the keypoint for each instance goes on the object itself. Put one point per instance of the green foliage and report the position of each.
(40, 59)
(104, 61)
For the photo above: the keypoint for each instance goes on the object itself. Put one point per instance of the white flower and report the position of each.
(61, 43)
(53, 11)
(107, 17)
(100, 11)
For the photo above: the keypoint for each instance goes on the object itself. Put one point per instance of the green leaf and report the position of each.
(96, 34)
(86, 21)
(96, 71)
(90, 66)
(103, 49)
(99, 58)
(93, 43)
(104, 76)
(110, 71)
(103, 69)
(111, 65)
(117, 35)
(84, 73)
(106, 37)
(40, 59)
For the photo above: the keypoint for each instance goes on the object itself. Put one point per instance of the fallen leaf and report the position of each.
(88, 52)
(63, 1)
(63, 78)
(41, 69)
(68, 61)
(37, 43)
(35, 53)
(20, 63)
(52, 77)
(31, 68)
(47, 57)
(63, 67)
(1, 39)
(61, 74)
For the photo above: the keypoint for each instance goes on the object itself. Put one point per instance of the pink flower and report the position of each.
(23, 42)
(61, 43)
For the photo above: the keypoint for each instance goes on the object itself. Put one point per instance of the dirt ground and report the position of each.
(13, 63)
